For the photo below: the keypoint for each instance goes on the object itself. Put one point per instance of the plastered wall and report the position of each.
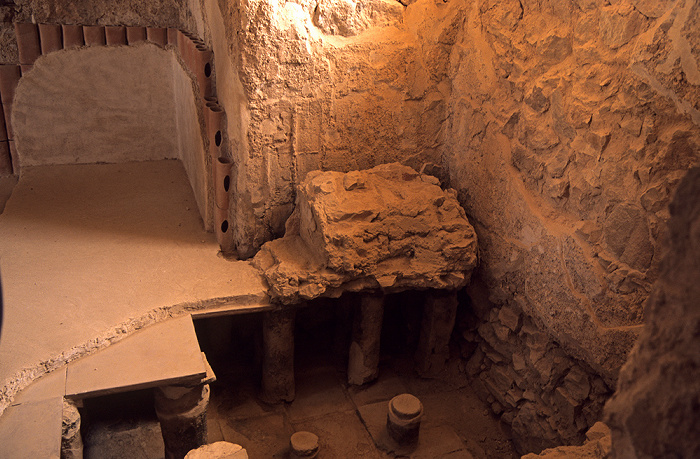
(111, 104)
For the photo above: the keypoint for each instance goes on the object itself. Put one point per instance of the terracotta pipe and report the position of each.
(182, 41)
(7, 111)
(13, 156)
(224, 231)
(9, 77)
(3, 128)
(187, 50)
(204, 70)
(115, 35)
(222, 181)
(214, 119)
(157, 35)
(5, 159)
(135, 35)
(72, 36)
(94, 35)
(50, 37)
(172, 36)
(27, 42)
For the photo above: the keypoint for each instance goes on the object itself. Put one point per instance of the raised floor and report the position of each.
(91, 253)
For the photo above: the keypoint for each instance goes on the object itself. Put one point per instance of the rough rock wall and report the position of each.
(547, 397)
(655, 411)
(332, 85)
(570, 122)
(154, 13)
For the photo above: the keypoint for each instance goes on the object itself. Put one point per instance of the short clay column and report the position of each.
(71, 441)
(303, 445)
(439, 315)
(182, 412)
(278, 356)
(363, 362)
(403, 420)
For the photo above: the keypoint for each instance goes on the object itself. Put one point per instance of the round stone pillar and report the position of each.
(182, 412)
(363, 361)
(303, 445)
(403, 420)
(278, 356)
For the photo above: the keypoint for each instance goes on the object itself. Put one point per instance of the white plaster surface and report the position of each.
(92, 253)
(97, 104)
(188, 136)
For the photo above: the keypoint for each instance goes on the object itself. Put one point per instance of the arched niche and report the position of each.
(110, 104)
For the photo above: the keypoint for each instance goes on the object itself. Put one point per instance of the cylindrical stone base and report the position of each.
(403, 420)
(303, 445)
(218, 450)
(363, 361)
(71, 441)
(278, 356)
(182, 412)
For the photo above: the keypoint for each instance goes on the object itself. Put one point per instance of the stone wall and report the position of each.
(570, 123)
(547, 397)
(335, 88)
(654, 412)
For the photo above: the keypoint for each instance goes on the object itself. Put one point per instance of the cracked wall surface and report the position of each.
(571, 123)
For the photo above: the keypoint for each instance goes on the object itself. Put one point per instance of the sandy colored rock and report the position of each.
(596, 446)
(386, 228)
(653, 413)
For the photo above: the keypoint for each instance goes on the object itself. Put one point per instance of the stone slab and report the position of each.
(32, 430)
(162, 354)
(49, 386)
(435, 441)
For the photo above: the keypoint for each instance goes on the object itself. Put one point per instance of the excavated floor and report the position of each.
(456, 423)
(89, 252)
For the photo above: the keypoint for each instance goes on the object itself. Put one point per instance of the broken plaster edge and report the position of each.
(27, 375)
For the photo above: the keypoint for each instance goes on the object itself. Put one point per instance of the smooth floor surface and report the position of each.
(90, 253)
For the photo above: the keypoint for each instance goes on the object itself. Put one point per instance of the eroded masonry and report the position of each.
(350, 228)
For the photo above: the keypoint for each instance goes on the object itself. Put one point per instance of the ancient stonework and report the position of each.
(330, 85)
(655, 410)
(387, 228)
(546, 396)
(571, 123)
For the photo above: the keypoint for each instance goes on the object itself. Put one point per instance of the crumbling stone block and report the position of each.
(386, 228)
